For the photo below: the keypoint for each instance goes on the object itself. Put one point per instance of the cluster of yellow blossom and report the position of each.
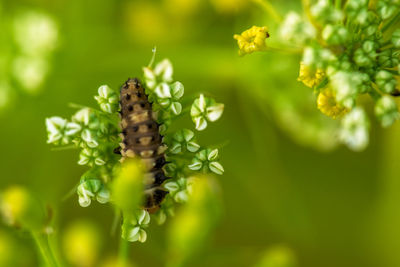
(310, 76)
(252, 40)
(328, 105)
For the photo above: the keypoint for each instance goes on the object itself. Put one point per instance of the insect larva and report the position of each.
(141, 138)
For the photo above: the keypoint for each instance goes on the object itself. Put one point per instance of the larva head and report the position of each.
(133, 97)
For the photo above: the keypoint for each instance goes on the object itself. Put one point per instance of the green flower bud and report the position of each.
(179, 189)
(174, 170)
(92, 188)
(183, 140)
(91, 157)
(388, 58)
(166, 209)
(385, 81)
(386, 110)
(335, 34)
(396, 38)
(206, 160)
(385, 8)
(134, 225)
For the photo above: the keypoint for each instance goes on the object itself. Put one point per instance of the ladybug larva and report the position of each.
(141, 138)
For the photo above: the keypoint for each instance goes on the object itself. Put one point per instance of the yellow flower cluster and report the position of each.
(252, 40)
(310, 76)
(328, 105)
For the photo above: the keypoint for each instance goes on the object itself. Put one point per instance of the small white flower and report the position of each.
(56, 127)
(82, 116)
(164, 70)
(296, 30)
(205, 109)
(133, 227)
(72, 128)
(386, 110)
(163, 90)
(162, 73)
(354, 129)
(183, 139)
(207, 159)
(107, 99)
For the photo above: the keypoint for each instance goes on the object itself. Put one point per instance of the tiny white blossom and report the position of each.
(354, 129)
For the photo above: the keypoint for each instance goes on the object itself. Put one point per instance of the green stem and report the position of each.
(270, 9)
(123, 255)
(284, 50)
(152, 57)
(338, 4)
(374, 94)
(395, 19)
(306, 6)
(44, 249)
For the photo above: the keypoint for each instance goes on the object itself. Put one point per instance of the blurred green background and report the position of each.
(286, 183)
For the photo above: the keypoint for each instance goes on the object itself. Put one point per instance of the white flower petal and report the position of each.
(142, 236)
(133, 234)
(213, 155)
(84, 201)
(177, 90)
(163, 90)
(215, 112)
(201, 123)
(195, 166)
(216, 167)
(165, 70)
(176, 108)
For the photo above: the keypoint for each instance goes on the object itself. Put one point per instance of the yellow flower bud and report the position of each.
(252, 40)
(310, 76)
(82, 243)
(20, 208)
(328, 105)
(116, 262)
(278, 256)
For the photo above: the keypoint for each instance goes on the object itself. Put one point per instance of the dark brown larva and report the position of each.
(141, 138)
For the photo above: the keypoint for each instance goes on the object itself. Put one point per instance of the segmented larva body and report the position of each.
(141, 138)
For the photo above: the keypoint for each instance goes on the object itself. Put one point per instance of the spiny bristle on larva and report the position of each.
(141, 138)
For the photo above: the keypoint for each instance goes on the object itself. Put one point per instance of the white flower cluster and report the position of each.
(95, 133)
(354, 130)
(90, 189)
(296, 30)
(356, 52)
